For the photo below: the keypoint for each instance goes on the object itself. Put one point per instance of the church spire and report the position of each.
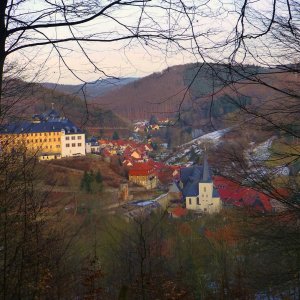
(205, 168)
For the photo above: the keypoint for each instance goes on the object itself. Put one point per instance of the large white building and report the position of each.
(198, 190)
(72, 142)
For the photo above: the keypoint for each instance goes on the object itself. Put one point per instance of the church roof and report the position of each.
(192, 176)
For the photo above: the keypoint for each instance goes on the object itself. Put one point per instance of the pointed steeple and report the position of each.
(205, 168)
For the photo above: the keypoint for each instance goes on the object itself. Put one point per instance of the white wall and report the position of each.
(204, 201)
(88, 147)
(72, 144)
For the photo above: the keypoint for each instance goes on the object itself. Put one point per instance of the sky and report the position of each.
(71, 63)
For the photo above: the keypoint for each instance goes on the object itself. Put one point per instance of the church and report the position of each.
(198, 190)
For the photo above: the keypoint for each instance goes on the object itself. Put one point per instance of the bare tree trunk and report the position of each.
(2, 46)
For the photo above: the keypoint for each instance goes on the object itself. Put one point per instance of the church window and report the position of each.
(190, 201)
(198, 201)
(204, 189)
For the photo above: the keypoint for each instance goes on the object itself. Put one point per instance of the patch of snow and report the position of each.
(186, 148)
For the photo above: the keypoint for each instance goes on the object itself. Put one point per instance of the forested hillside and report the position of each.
(173, 89)
(36, 98)
(199, 93)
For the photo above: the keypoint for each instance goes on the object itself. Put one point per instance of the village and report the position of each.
(149, 150)
(180, 189)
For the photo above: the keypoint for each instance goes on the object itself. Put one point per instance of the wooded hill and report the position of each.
(198, 92)
(25, 99)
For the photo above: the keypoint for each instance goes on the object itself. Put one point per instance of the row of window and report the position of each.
(73, 145)
(46, 147)
(73, 138)
(38, 134)
(50, 147)
(33, 141)
(45, 140)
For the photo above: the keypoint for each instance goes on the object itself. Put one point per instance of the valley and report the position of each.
(183, 176)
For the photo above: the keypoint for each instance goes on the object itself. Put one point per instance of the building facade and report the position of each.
(143, 174)
(206, 200)
(198, 190)
(92, 146)
(47, 136)
(72, 143)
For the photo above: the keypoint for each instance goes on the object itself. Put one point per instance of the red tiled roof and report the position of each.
(231, 193)
(105, 152)
(142, 169)
(179, 212)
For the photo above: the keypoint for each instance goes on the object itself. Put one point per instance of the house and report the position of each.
(154, 127)
(232, 194)
(198, 190)
(136, 154)
(127, 163)
(143, 173)
(92, 146)
(178, 212)
(47, 135)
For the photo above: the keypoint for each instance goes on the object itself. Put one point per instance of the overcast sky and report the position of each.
(212, 21)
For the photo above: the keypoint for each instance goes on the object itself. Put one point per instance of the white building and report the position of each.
(72, 142)
(198, 190)
(206, 200)
(92, 146)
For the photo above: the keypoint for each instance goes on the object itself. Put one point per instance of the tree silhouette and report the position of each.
(115, 136)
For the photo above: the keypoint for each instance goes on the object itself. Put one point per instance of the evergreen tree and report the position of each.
(153, 120)
(86, 181)
(115, 136)
(98, 177)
